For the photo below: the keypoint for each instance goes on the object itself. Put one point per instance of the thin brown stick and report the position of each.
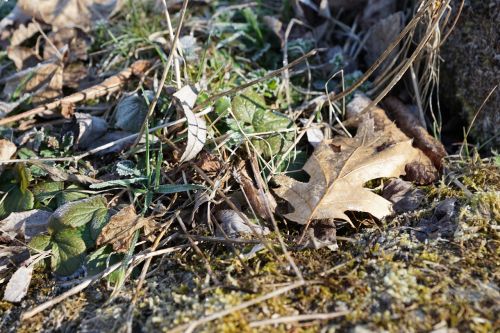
(294, 319)
(110, 85)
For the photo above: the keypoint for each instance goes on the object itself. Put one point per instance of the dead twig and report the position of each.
(108, 86)
(294, 319)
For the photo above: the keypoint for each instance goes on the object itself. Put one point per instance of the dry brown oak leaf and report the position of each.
(121, 228)
(338, 175)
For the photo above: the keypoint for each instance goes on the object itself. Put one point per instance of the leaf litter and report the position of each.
(240, 147)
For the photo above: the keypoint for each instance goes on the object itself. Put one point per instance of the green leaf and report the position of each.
(24, 177)
(119, 183)
(71, 193)
(245, 105)
(267, 121)
(40, 242)
(46, 191)
(101, 218)
(77, 213)
(173, 188)
(101, 259)
(251, 116)
(68, 252)
(222, 105)
(127, 168)
(15, 200)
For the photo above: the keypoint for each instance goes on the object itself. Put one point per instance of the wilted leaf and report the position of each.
(25, 224)
(338, 177)
(314, 136)
(121, 228)
(322, 233)
(261, 201)
(233, 225)
(403, 195)
(131, 112)
(69, 13)
(68, 251)
(18, 284)
(90, 128)
(197, 127)
(20, 54)
(76, 40)
(7, 150)
(77, 213)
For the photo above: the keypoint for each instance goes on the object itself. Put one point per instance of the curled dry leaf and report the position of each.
(86, 129)
(261, 201)
(233, 225)
(20, 54)
(421, 169)
(338, 174)
(410, 125)
(76, 40)
(403, 195)
(197, 127)
(7, 149)
(322, 233)
(121, 228)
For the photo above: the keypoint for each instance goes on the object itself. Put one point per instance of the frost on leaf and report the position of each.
(338, 174)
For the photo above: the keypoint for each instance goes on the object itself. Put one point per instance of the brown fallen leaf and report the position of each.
(421, 170)
(46, 83)
(77, 41)
(7, 149)
(121, 228)
(20, 54)
(233, 225)
(338, 174)
(403, 195)
(261, 201)
(322, 233)
(410, 125)
(69, 13)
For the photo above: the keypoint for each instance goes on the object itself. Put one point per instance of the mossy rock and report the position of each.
(471, 69)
